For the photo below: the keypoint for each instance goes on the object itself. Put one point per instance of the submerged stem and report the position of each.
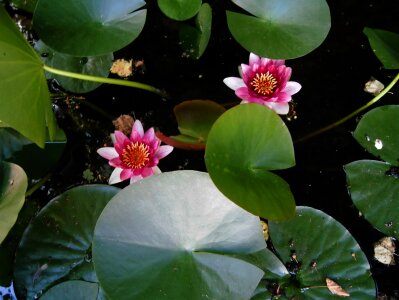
(351, 115)
(133, 84)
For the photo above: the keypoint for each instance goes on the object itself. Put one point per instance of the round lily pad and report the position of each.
(88, 28)
(280, 29)
(315, 247)
(179, 10)
(73, 290)
(56, 246)
(167, 236)
(243, 145)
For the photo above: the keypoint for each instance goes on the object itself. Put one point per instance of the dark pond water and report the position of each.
(333, 77)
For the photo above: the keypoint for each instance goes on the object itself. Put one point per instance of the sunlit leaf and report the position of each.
(88, 28)
(57, 244)
(280, 29)
(92, 65)
(195, 39)
(24, 97)
(244, 144)
(13, 184)
(175, 228)
(179, 10)
(314, 247)
(385, 45)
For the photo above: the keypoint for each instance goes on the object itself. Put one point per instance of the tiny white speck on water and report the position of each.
(378, 144)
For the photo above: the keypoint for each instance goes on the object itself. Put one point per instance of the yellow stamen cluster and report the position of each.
(135, 155)
(264, 83)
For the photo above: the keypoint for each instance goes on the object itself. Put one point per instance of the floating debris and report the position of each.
(373, 86)
(378, 144)
(384, 251)
(336, 289)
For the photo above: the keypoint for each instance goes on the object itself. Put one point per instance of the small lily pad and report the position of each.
(179, 10)
(280, 29)
(244, 144)
(385, 45)
(73, 290)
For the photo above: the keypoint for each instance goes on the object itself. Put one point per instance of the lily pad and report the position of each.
(315, 247)
(92, 65)
(374, 189)
(195, 39)
(88, 28)
(376, 132)
(179, 10)
(280, 29)
(243, 145)
(10, 142)
(25, 100)
(56, 246)
(175, 228)
(27, 5)
(73, 290)
(13, 184)
(385, 45)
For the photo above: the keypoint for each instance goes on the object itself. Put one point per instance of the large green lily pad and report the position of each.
(314, 247)
(280, 29)
(167, 236)
(24, 97)
(73, 290)
(385, 45)
(243, 145)
(56, 246)
(88, 28)
(13, 184)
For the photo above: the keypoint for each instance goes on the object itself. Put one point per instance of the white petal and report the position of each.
(113, 138)
(253, 59)
(108, 152)
(115, 176)
(234, 82)
(137, 126)
(280, 108)
(156, 170)
(135, 178)
(163, 151)
(292, 87)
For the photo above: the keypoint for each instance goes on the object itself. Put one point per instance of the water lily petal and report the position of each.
(108, 152)
(163, 151)
(135, 178)
(126, 174)
(156, 170)
(292, 87)
(138, 127)
(115, 176)
(280, 108)
(115, 162)
(120, 137)
(254, 59)
(234, 82)
(147, 172)
(149, 135)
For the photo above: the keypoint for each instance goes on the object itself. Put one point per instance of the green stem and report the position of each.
(133, 84)
(351, 115)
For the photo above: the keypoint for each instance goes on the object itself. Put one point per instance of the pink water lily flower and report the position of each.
(265, 81)
(135, 157)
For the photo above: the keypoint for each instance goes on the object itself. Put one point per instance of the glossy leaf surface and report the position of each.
(13, 184)
(73, 290)
(323, 248)
(179, 10)
(385, 45)
(167, 236)
(280, 29)
(244, 144)
(376, 133)
(92, 65)
(374, 189)
(57, 244)
(24, 97)
(88, 28)
(195, 39)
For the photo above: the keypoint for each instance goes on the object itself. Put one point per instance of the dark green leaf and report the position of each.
(314, 246)
(280, 29)
(92, 65)
(56, 246)
(10, 142)
(244, 144)
(88, 28)
(24, 97)
(374, 188)
(179, 10)
(195, 39)
(166, 236)
(13, 184)
(27, 5)
(73, 290)
(376, 132)
(385, 45)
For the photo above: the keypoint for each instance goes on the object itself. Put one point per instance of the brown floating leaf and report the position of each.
(384, 251)
(336, 289)
(122, 67)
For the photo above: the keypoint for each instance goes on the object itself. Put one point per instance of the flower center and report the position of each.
(264, 83)
(136, 155)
